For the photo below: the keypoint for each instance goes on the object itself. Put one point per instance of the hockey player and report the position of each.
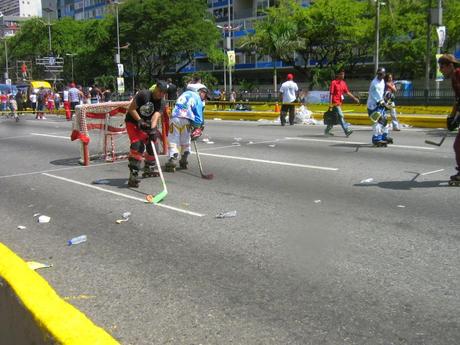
(141, 123)
(186, 125)
(376, 108)
(450, 68)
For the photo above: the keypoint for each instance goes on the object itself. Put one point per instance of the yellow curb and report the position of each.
(57, 318)
(422, 121)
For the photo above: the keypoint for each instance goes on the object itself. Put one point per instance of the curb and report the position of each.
(423, 121)
(35, 314)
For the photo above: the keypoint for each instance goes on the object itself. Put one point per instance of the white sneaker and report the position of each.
(44, 118)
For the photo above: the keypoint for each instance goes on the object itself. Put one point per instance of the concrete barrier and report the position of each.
(425, 121)
(32, 313)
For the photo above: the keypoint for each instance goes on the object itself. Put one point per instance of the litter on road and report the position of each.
(317, 201)
(229, 214)
(273, 145)
(368, 180)
(21, 227)
(77, 240)
(37, 265)
(401, 206)
(44, 219)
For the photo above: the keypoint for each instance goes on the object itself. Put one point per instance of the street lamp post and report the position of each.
(6, 60)
(225, 57)
(71, 59)
(377, 34)
(117, 58)
(229, 45)
(49, 10)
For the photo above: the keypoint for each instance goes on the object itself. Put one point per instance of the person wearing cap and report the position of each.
(186, 124)
(450, 68)
(376, 109)
(288, 90)
(336, 91)
(141, 119)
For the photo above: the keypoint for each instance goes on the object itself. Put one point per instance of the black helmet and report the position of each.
(162, 86)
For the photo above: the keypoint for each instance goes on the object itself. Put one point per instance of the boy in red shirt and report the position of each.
(338, 88)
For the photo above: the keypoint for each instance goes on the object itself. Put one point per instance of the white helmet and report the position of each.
(197, 87)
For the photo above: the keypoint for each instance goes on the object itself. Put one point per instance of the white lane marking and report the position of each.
(358, 143)
(124, 195)
(51, 136)
(17, 137)
(270, 162)
(61, 169)
(242, 143)
(432, 172)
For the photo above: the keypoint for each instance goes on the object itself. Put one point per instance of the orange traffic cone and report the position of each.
(277, 108)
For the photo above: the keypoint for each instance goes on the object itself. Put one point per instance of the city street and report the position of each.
(334, 242)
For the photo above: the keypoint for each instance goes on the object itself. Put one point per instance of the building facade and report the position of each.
(21, 8)
(84, 9)
(239, 16)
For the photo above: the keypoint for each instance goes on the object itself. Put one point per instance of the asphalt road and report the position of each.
(314, 256)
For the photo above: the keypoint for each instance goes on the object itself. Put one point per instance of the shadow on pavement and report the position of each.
(404, 185)
(67, 162)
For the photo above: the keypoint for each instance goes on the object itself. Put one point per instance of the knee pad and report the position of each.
(138, 146)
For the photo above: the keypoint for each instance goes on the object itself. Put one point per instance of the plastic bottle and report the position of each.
(77, 240)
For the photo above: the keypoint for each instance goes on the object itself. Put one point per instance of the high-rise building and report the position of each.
(21, 8)
(84, 9)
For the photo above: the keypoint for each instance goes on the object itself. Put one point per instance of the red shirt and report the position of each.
(337, 89)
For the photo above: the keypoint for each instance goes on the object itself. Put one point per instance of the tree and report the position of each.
(166, 34)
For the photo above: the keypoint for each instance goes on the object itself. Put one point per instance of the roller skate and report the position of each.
(149, 170)
(183, 160)
(388, 139)
(377, 141)
(348, 132)
(133, 180)
(170, 166)
(455, 180)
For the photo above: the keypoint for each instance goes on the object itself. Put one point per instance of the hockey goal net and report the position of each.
(101, 130)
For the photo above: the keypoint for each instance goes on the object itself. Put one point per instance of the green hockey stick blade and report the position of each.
(159, 197)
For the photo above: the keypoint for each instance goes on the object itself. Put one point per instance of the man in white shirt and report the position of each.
(376, 109)
(289, 93)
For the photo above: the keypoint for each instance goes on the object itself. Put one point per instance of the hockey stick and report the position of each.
(203, 175)
(160, 196)
(430, 142)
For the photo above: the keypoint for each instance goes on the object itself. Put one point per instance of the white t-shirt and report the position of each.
(33, 98)
(376, 90)
(65, 95)
(289, 89)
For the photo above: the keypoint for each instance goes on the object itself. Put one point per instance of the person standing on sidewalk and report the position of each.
(450, 68)
(289, 93)
(336, 91)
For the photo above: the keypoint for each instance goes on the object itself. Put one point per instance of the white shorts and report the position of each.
(179, 136)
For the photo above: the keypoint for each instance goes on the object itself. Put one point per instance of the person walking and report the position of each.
(376, 109)
(74, 97)
(33, 102)
(389, 96)
(95, 94)
(289, 93)
(450, 68)
(336, 91)
(19, 101)
(142, 117)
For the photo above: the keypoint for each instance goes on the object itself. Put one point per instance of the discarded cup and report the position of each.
(77, 240)
(229, 214)
(126, 215)
(44, 219)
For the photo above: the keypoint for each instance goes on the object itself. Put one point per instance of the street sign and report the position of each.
(120, 69)
(121, 85)
(231, 57)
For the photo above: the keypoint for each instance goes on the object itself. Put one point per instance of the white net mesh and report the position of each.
(102, 131)
(104, 125)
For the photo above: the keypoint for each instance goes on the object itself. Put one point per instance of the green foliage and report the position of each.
(246, 85)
